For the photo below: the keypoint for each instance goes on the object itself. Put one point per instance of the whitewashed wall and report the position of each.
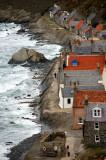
(66, 105)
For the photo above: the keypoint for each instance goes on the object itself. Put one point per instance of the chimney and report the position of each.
(98, 67)
(101, 50)
(75, 90)
(105, 58)
(86, 100)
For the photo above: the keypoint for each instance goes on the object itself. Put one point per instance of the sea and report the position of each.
(17, 86)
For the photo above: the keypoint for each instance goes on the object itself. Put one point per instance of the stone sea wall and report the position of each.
(49, 102)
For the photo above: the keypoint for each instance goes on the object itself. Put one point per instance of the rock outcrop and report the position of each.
(14, 15)
(28, 55)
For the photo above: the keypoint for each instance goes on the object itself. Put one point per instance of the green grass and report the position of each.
(93, 152)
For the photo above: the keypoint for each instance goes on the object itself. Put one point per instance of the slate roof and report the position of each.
(93, 97)
(74, 23)
(91, 16)
(61, 76)
(86, 62)
(83, 49)
(84, 79)
(71, 15)
(83, 72)
(84, 26)
(78, 73)
(56, 9)
(91, 88)
(89, 116)
(95, 45)
(68, 92)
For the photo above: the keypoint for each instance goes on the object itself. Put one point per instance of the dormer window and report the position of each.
(97, 112)
(74, 63)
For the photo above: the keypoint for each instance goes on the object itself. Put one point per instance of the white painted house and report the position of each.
(65, 96)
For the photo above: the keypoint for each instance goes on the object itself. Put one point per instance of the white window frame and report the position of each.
(97, 136)
(80, 119)
(95, 112)
(96, 124)
(67, 101)
(74, 64)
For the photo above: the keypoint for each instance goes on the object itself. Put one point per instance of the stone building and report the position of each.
(95, 125)
(52, 141)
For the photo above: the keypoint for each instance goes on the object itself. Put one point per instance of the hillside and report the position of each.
(85, 6)
(35, 6)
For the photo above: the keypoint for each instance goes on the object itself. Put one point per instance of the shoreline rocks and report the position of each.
(27, 55)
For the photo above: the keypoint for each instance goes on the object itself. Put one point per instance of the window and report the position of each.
(97, 112)
(97, 138)
(68, 101)
(74, 64)
(80, 120)
(96, 126)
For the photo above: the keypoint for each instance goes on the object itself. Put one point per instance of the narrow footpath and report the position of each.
(73, 140)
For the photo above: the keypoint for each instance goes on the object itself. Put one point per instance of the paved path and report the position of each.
(74, 141)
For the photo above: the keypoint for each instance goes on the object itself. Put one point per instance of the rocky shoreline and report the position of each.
(49, 111)
(38, 25)
(20, 150)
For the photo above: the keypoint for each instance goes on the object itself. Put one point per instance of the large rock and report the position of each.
(29, 55)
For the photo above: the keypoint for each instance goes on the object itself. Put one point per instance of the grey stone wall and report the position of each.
(90, 132)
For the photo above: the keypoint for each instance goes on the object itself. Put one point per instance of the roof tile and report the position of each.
(79, 25)
(93, 97)
(86, 62)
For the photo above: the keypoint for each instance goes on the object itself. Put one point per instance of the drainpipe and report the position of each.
(64, 79)
(75, 90)
(86, 104)
(98, 67)
(105, 63)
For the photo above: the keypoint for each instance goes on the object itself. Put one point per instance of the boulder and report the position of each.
(28, 55)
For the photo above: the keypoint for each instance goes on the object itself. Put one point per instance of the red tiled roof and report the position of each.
(87, 29)
(98, 28)
(93, 97)
(86, 62)
(79, 25)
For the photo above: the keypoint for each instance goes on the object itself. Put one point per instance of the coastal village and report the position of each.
(80, 77)
(73, 93)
